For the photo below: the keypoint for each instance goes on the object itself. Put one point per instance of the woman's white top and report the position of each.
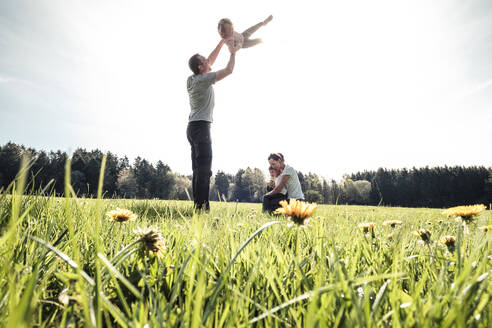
(293, 185)
(277, 181)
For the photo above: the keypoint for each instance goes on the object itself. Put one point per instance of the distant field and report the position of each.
(329, 273)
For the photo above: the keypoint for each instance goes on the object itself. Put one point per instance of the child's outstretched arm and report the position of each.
(213, 55)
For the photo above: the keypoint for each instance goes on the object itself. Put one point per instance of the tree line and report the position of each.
(428, 187)
(416, 187)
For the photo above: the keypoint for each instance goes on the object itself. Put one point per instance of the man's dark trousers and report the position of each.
(198, 134)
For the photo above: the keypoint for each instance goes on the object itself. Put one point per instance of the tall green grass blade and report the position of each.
(259, 306)
(65, 258)
(369, 279)
(120, 277)
(18, 186)
(179, 282)
(98, 244)
(293, 301)
(116, 313)
(213, 299)
(121, 256)
(459, 243)
(198, 300)
(123, 253)
(101, 177)
(21, 317)
(377, 300)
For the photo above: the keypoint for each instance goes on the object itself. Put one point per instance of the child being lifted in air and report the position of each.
(235, 40)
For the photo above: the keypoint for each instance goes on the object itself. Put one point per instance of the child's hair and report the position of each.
(222, 22)
(276, 157)
(273, 171)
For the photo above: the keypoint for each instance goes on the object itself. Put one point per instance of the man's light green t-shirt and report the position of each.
(202, 98)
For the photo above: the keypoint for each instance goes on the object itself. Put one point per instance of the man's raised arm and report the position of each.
(213, 55)
(228, 70)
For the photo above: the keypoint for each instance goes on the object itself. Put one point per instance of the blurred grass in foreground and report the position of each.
(63, 262)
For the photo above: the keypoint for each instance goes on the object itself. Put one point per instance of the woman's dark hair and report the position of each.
(276, 157)
(194, 62)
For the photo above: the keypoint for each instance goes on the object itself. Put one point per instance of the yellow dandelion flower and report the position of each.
(424, 234)
(121, 215)
(392, 223)
(366, 227)
(152, 241)
(297, 211)
(449, 242)
(486, 228)
(465, 212)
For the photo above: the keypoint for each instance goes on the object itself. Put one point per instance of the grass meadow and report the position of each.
(64, 263)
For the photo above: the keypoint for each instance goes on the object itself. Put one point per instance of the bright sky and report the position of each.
(337, 86)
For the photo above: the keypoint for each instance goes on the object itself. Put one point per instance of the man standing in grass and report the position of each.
(202, 104)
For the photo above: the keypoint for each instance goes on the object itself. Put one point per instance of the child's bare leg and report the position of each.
(246, 34)
(250, 42)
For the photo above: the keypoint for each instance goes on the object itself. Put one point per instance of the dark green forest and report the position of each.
(437, 187)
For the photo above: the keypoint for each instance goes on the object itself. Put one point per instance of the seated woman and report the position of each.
(288, 179)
